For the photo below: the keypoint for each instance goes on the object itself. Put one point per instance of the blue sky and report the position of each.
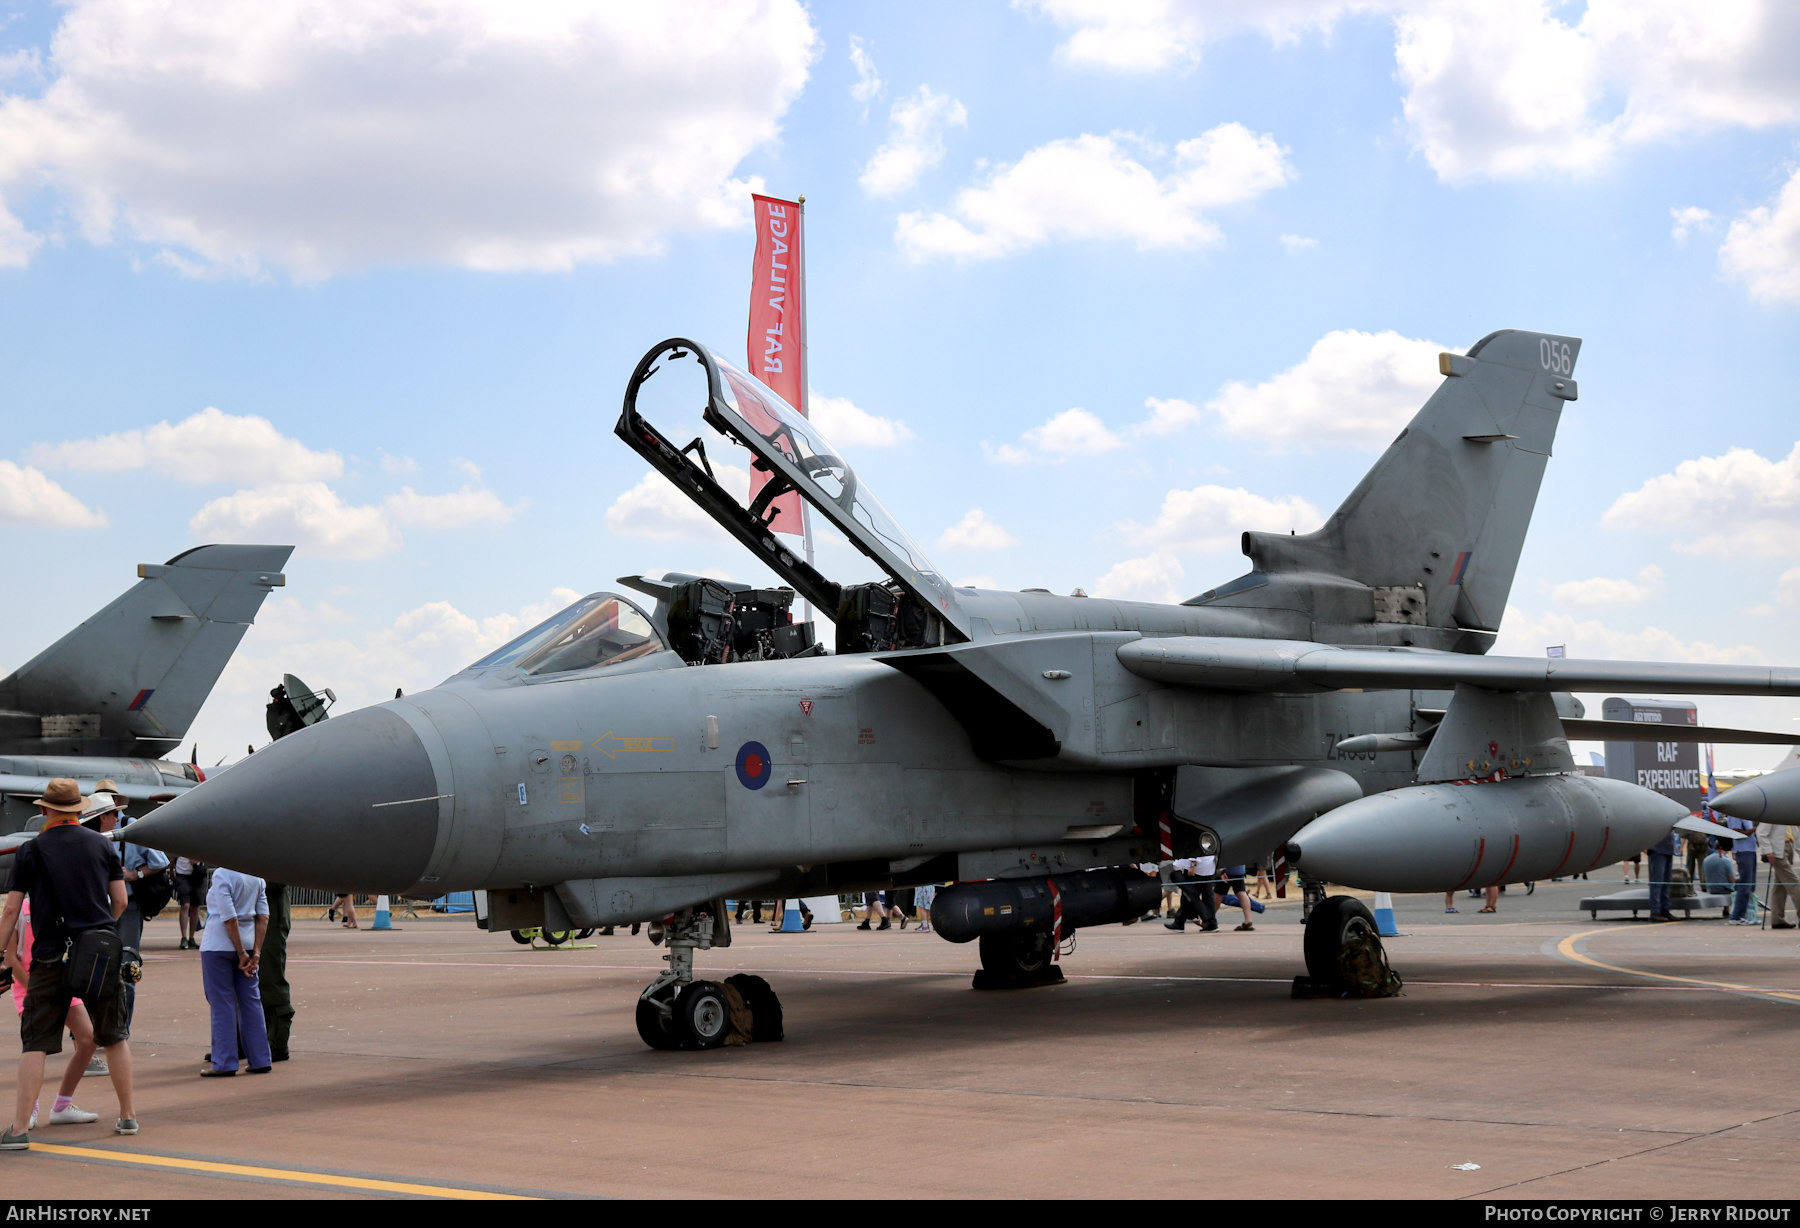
(1125, 279)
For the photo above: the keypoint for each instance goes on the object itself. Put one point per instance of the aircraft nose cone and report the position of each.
(314, 809)
(1746, 801)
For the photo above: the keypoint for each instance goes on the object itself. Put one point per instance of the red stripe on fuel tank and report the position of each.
(1480, 852)
(1509, 862)
(1605, 838)
(1567, 853)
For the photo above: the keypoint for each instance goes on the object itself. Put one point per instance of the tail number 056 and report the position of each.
(1555, 356)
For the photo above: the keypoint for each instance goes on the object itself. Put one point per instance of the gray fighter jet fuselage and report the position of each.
(631, 761)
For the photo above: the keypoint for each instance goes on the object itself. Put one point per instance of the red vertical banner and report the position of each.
(776, 346)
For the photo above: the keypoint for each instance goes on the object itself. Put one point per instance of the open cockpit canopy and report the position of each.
(914, 607)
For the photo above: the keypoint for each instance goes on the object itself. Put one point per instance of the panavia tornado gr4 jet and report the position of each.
(640, 758)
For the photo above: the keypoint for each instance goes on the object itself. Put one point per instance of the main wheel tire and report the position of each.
(702, 1016)
(557, 937)
(1333, 920)
(521, 937)
(1016, 955)
(655, 1028)
(765, 1007)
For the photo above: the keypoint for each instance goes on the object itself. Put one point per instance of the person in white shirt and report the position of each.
(1775, 845)
(230, 949)
(1197, 899)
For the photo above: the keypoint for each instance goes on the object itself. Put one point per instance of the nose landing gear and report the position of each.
(677, 1012)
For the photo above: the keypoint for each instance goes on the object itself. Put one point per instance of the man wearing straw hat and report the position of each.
(76, 884)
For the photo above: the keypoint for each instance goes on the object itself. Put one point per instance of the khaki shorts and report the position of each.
(47, 1003)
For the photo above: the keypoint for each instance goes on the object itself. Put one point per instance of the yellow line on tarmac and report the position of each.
(273, 1174)
(1566, 948)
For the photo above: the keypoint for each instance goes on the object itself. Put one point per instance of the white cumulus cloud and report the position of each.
(868, 81)
(1148, 35)
(1689, 220)
(1507, 90)
(654, 509)
(1741, 503)
(210, 446)
(28, 497)
(1073, 432)
(1762, 248)
(1209, 518)
(1151, 578)
(317, 136)
(1090, 188)
(1787, 587)
(976, 532)
(310, 515)
(848, 425)
(316, 519)
(1608, 590)
(1526, 635)
(915, 141)
(1167, 416)
(1352, 388)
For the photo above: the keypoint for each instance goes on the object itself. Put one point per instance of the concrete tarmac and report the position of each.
(1568, 1058)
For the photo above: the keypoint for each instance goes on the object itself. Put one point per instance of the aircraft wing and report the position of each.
(1226, 664)
(1632, 731)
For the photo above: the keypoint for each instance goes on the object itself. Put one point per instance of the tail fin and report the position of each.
(130, 679)
(1436, 526)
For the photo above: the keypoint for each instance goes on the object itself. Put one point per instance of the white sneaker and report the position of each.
(96, 1067)
(71, 1116)
(32, 1125)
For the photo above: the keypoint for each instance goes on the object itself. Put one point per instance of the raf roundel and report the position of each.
(753, 765)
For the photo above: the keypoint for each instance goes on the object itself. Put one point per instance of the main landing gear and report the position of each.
(677, 1012)
(1014, 960)
(1344, 955)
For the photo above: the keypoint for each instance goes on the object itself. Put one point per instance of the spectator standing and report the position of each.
(1718, 872)
(271, 974)
(1743, 851)
(138, 863)
(1171, 892)
(1775, 844)
(923, 898)
(239, 907)
(1197, 899)
(346, 905)
(190, 894)
(1449, 901)
(1492, 903)
(874, 904)
(1232, 881)
(1662, 865)
(76, 885)
(81, 1031)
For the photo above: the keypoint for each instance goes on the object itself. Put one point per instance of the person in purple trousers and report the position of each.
(230, 949)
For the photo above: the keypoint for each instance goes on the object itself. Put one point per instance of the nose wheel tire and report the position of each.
(556, 938)
(523, 937)
(654, 1027)
(702, 1017)
(1335, 919)
(765, 1007)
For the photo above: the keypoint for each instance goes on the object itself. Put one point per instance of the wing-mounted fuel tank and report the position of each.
(1443, 837)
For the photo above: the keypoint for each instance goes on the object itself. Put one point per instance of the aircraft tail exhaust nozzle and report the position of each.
(347, 804)
(966, 911)
(1774, 798)
(1445, 837)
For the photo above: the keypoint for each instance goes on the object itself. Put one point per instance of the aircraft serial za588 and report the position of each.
(626, 761)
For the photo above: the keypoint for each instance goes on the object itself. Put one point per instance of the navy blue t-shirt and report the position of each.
(67, 871)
